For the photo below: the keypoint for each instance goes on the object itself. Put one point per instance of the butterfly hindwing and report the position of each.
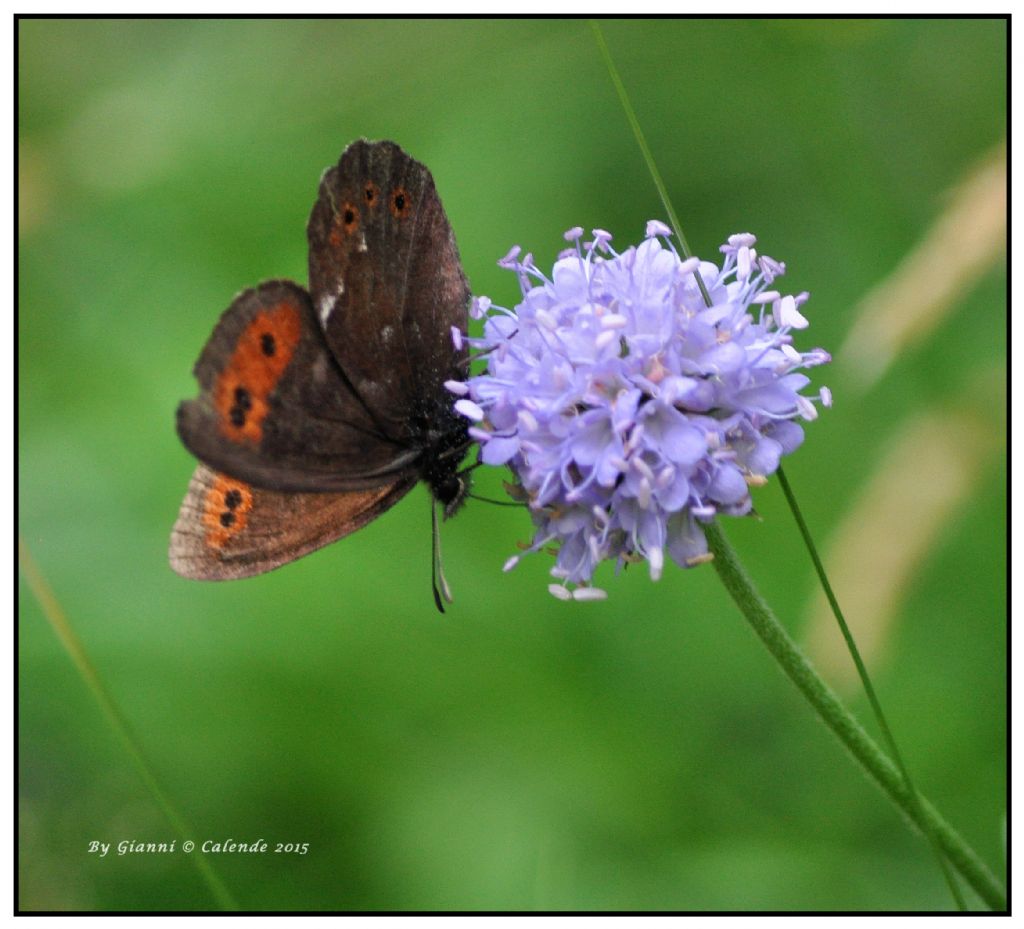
(229, 529)
(275, 409)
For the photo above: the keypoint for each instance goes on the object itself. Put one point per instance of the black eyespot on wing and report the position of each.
(399, 202)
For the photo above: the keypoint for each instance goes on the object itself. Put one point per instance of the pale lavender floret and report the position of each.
(629, 410)
(509, 261)
(469, 409)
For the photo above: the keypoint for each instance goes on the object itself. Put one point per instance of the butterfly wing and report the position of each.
(387, 284)
(229, 529)
(318, 411)
(276, 410)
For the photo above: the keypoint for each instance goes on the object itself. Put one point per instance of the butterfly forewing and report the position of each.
(386, 281)
(275, 408)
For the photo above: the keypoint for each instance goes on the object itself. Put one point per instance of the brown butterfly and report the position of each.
(320, 410)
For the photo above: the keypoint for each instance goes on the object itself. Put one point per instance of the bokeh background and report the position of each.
(518, 752)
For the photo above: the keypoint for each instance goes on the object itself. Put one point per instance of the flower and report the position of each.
(636, 395)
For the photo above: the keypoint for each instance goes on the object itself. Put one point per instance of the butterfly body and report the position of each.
(320, 409)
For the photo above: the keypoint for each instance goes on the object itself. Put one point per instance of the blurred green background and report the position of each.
(518, 752)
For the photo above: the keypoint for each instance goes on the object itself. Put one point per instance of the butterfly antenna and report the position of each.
(438, 583)
(495, 502)
(483, 353)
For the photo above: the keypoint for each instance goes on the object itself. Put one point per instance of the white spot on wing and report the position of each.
(327, 302)
(361, 247)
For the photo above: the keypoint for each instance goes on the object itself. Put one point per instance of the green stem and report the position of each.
(842, 723)
(76, 650)
(641, 140)
(865, 679)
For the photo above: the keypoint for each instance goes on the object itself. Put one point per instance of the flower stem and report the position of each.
(843, 724)
(54, 613)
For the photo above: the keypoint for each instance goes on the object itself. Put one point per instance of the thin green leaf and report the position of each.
(58, 620)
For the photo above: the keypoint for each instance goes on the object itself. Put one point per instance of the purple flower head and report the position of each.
(628, 409)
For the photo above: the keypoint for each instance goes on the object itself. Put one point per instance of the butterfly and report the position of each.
(319, 410)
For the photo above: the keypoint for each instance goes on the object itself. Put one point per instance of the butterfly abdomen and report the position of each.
(445, 440)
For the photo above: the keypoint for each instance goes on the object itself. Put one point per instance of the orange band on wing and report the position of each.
(242, 392)
(224, 510)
